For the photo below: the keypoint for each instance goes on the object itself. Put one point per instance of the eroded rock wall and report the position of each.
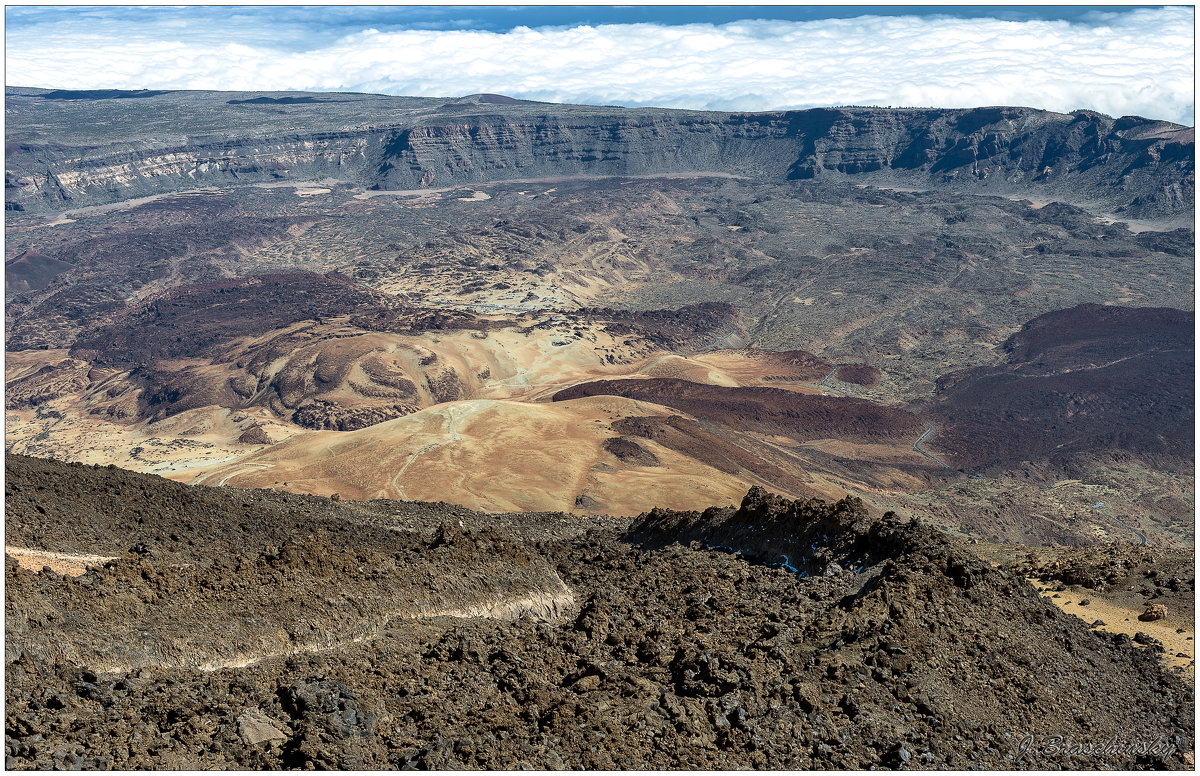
(1135, 166)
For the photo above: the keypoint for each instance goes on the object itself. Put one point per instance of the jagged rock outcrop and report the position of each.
(809, 537)
(1135, 166)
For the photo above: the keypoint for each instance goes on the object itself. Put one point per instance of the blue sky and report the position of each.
(1113, 59)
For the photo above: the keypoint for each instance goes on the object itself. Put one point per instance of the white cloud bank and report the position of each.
(1133, 62)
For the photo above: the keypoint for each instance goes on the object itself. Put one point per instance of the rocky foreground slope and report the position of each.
(72, 149)
(775, 634)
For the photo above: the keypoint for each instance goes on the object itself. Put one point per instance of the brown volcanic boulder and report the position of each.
(806, 536)
(1153, 612)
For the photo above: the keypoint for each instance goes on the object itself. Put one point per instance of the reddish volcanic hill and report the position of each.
(32, 271)
(1083, 380)
(765, 410)
(859, 374)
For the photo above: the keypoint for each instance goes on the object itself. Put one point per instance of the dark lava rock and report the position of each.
(330, 619)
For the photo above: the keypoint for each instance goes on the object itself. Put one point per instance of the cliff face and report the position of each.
(1134, 166)
(41, 178)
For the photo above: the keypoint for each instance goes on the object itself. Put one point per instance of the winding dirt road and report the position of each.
(1141, 536)
(929, 431)
(825, 381)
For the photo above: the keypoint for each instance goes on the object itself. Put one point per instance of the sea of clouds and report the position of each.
(1130, 62)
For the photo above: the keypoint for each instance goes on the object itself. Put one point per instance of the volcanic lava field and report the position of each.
(398, 432)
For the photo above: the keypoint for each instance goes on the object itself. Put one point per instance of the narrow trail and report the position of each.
(550, 603)
(453, 418)
(234, 470)
(723, 342)
(241, 470)
(929, 431)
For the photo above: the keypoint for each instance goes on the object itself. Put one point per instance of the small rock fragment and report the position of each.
(256, 728)
(586, 683)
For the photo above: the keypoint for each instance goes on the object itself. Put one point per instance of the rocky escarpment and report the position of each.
(1135, 166)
